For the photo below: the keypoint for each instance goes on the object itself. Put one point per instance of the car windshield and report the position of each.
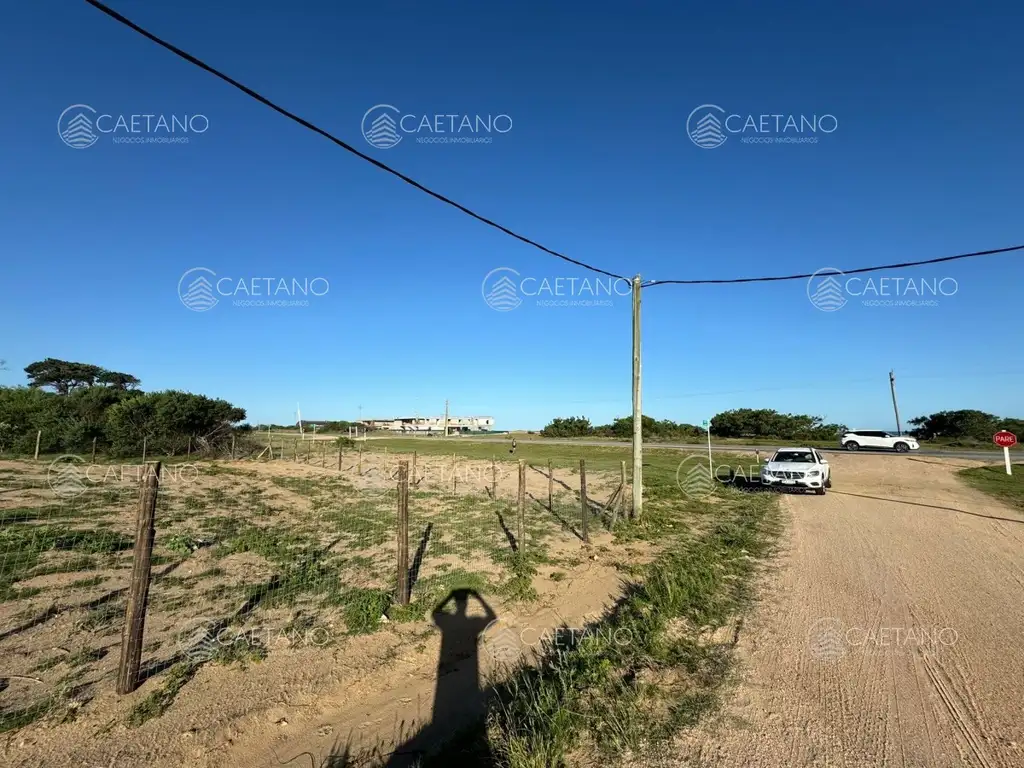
(802, 457)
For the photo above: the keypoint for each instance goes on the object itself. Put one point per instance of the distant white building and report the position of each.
(433, 424)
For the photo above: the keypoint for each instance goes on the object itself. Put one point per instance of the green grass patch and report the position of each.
(993, 480)
(156, 703)
(645, 670)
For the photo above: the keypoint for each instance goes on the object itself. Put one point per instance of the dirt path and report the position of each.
(891, 633)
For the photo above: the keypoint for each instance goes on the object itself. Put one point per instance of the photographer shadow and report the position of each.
(460, 704)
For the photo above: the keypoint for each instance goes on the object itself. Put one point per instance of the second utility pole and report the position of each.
(638, 440)
(892, 387)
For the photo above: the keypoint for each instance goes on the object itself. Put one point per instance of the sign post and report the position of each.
(1005, 440)
(711, 467)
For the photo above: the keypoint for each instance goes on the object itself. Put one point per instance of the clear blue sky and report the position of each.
(926, 161)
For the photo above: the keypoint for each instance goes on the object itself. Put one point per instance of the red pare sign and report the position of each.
(1004, 439)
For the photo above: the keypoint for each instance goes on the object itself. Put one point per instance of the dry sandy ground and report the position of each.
(364, 690)
(890, 634)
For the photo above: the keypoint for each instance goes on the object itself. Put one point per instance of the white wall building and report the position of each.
(433, 424)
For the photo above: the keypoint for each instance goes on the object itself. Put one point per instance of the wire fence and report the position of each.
(113, 571)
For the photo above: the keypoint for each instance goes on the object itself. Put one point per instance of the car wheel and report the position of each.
(828, 481)
(901, 447)
(819, 491)
(852, 446)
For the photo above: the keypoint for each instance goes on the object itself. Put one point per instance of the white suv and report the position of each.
(867, 438)
(802, 468)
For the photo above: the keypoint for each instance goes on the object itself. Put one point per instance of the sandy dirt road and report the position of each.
(890, 634)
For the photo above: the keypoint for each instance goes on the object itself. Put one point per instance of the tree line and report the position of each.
(743, 422)
(74, 403)
(963, 425)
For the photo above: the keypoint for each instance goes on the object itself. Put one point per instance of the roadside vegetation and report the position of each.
(994, 481)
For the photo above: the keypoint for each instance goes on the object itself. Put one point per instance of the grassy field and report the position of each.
(994, 481)
(300, 550)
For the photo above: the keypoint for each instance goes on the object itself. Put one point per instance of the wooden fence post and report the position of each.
(551, 488)
(138, 589)
(93, 461)
(341, 453)
(494, 479)
(232, 446)
(188, 450)
(403, 533)
(413, 474)
(583, 501)
(309, 451)
(323, 456)
(360, 459)
(145, 440)
(521, 538)
(39, 436)
(385, 459)
(622, 494)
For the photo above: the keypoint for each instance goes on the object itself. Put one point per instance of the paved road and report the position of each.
(992, 456)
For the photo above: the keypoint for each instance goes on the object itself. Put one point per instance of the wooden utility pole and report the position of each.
(521, 503)
(445, 434)
(138, 589)
(403, 533)
(892, 388)
(638, 441)
(39, 436)
(585, 508)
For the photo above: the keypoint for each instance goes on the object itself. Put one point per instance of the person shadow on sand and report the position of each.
(460, 705)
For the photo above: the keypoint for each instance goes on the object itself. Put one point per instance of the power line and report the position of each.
(489, 222)
(844, 272)
(344, 145)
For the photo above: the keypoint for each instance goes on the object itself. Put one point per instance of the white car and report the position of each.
(802, 468)
(856, 439)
